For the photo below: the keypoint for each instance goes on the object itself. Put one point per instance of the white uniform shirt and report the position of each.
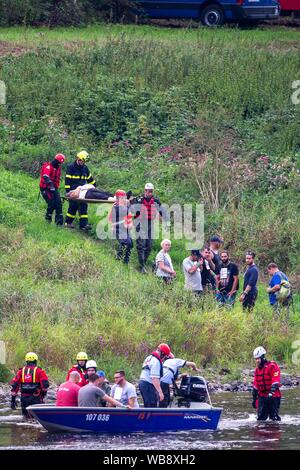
(152, 369)
(173, 364)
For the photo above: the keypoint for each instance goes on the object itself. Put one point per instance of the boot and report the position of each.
(86, 228)
(59, 220)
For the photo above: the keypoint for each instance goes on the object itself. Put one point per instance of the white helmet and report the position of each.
(149, 186)
(91, 364)
(258, 352)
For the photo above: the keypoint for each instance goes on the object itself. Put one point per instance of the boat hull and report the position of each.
(116, 420)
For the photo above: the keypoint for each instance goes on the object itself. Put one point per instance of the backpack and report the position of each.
(285, 291)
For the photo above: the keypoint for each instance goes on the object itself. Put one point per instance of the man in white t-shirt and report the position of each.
(124, 391)
(171, 368)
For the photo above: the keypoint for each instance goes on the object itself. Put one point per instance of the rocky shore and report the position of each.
(216, 383)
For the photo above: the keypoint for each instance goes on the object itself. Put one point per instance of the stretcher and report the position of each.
(91, 201)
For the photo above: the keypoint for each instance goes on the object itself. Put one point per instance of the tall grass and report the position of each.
(149, 104)
(61, 292)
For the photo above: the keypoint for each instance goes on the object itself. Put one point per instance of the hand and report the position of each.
(254, 404)
(242, 297)
(13, 403)
(269, 290)
(270, 395)
(161, 396)
(173, 273)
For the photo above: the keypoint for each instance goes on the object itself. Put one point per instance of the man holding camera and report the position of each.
(192, 267)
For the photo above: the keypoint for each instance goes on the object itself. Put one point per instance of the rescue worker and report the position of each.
(151, 374)
(49, 184)
(78, 174)
(145, 210)
(91, 368)
(171, 368)
(266, 393)
(121, 219)
(32, 382)
(80, 367)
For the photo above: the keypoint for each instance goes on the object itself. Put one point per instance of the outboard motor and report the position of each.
(192, 389)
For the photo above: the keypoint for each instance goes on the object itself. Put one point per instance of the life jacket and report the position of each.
(53, 173)
(148, 209)
(265, 377)
(157, 356)
(29, 383)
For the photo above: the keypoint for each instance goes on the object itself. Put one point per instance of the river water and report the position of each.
(238, 429)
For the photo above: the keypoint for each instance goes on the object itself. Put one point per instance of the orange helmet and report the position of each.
(165, 349)
(60, 158)
(120, 193)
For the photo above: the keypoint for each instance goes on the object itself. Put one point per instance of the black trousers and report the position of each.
(27, 401)
(167, 397)
(268, 408)
(124, 249)
(144, 247)
(53, 204)
(149, 394)
(82, 210)
(97, 193)
(249, 301)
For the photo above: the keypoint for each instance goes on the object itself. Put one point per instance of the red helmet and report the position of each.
(120, 193)
(60, 158)
(165, 349)
(171, 356)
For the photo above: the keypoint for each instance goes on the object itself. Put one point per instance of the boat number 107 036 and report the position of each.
(96, 417)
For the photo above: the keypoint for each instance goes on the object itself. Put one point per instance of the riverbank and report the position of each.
(216, 384)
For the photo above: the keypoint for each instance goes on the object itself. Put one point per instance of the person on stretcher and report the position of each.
(88, 191)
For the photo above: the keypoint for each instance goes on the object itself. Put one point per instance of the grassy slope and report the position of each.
(62, 292)
(85, 300)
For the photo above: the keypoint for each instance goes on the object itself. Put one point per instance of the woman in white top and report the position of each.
(88, 191)
(163, 262)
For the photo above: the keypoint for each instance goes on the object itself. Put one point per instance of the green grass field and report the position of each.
(193, 111)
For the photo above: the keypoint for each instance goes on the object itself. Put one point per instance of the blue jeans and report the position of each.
(223, 299)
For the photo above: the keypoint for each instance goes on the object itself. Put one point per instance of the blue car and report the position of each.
(212, 12)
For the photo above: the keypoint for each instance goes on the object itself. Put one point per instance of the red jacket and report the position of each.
(265, 377)
(53, 173)
(82, 382)
(32, 380)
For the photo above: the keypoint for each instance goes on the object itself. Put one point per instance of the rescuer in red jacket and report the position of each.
(80, 367)
(33, 383)
(266, 383)
(49, 184)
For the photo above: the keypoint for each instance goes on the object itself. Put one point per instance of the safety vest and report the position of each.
(53, 173)
(29, 382)
(148, 209)
(265, 377)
